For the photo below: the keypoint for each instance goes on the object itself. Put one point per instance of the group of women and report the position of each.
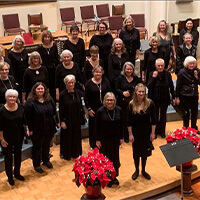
(114, 96)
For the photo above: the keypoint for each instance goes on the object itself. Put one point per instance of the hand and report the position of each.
(63, 125)
(121, 141)
(131, 138)
(152, 137)
(175, 56)
(57, 95)
(155, 74)
(196, 74)
(177, 101)
(136, 56)
(126, 93)
(91, 113)
(4, 143)
(174, 102)
(58, 125)
(29, 133)
(98, 143)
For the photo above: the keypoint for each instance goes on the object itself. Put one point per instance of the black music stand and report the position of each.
(177, 153)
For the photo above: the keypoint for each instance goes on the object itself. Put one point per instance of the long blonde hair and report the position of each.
(134, 102)
(167, 35)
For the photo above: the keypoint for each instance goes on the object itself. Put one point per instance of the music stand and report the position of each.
(177, 153)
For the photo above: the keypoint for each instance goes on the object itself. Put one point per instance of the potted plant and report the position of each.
(93, 171)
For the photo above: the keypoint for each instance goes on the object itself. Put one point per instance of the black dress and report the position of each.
(131, 39)
(11, 123)
(195, 35)
(70, 111)
(4, 86)
(78, 51)
(122, 85)
(109, 131)
(104, 42)
(50, 60)
(140, 132)
(149, 60)
(61, 72)
(42, 121)
(88, 69)
(94, 95)
(32, 76)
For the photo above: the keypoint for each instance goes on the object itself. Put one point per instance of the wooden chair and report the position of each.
(11, 24)
(103, 11)
(119, 10)
(115, 24)
(68, 18)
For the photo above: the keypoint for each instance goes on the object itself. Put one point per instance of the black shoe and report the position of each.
(39, 170)
(20, 177)
(146, 175)
(11, 181)
(115, 181)
(50, 155)
(48, 165)
(135, 175)
(110, 184)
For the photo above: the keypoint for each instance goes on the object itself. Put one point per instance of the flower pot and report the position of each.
(187, 165)
(93, 192)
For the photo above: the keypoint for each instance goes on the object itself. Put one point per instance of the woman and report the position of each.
(92, 62)
(77, 46)
(70, 111)
(41, 117)
(141, 128)
(66, 67)
(109, 117)
(50, 59)
(160, 87)
(150, 56)
(131, 38)
(19, 60)
(33, 74)
(104, 41)
(189, 28)
(5, 59)
(187, 83)
(125, 86)
(12, 123)
(6, 81)
(95, 90)
(166, 42)
(116, 60)
(184, 50)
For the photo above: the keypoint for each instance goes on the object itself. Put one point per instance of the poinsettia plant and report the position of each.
(183, 133)
(93, 168)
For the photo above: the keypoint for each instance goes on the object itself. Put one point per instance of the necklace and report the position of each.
(48, 50)
(111, 118)
(72, 94)
(5, 85)
(100, 95)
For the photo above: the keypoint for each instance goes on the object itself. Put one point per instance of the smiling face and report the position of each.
(70, 85)
(97, 74)
(187, 39)
(110, 102)
(18, 43)
(4, 71)
(162, 26)
(154, 44)
(191, 65)
(39, 91)
(66, 58)
(74, 34)
(141, 93)
(118, 45)
(189, 25)
(94, 54)
(128, 70)
(11, 99)
(160, 66)
(102, 29)
(47, 39)
(35, 60)
(129, 24)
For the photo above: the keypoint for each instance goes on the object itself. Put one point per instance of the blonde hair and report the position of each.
(33, 55)
(18, 37)
(154, 39)
(166, 30)
(2, 64)
(134, 101)
(124, 22)
(109, 94)
(96, 68)
(68, 78)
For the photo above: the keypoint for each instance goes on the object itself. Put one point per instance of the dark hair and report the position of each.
(104, 23)
(74, 28)
(45, 34)
(189, 19)
(32, 95)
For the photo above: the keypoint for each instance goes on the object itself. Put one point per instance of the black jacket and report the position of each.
(187, 84)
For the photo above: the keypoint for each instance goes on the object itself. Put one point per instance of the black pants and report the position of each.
(52, 88)
(160, 116)
(9, 161)
(92, 136)
(40, 150)
(190, 104)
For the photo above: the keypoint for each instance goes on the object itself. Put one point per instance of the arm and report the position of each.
(29, 115)
(152, 80)
(138, 46)
(62, 112)
(153, 121)
(98, 125)
(129, 123)
(110, 68)
(179, 56)
(171, 86)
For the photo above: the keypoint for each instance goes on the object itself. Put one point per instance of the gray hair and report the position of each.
(68, 78)
(124, 67)
(66, 51)
(33, 55)
(11, 92)
(158, 60)
(18, 37)
(188, 60)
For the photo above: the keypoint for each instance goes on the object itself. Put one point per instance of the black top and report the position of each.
(39, 116)
(32, 76)
(122, 85)
(109, 120)
(131, 39)
(94, 93)
(195, 35)
(11, 123)
(78, 51)
(115, 65)
(61, 72)
(4, 86)
(50, 57)
(187, 84)
(19, 64)
(104, 42)
(88, 69)
(70, 107)
(161, 87)
(182, 53)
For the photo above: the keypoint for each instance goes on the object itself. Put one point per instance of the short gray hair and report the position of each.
(11, 92)
(124, 67)
(189, 59)
(18, 37)
(159, 59)
(66, 51)
(68, 78)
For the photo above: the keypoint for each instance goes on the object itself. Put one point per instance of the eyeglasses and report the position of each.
(4, 70)
(111, 100)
